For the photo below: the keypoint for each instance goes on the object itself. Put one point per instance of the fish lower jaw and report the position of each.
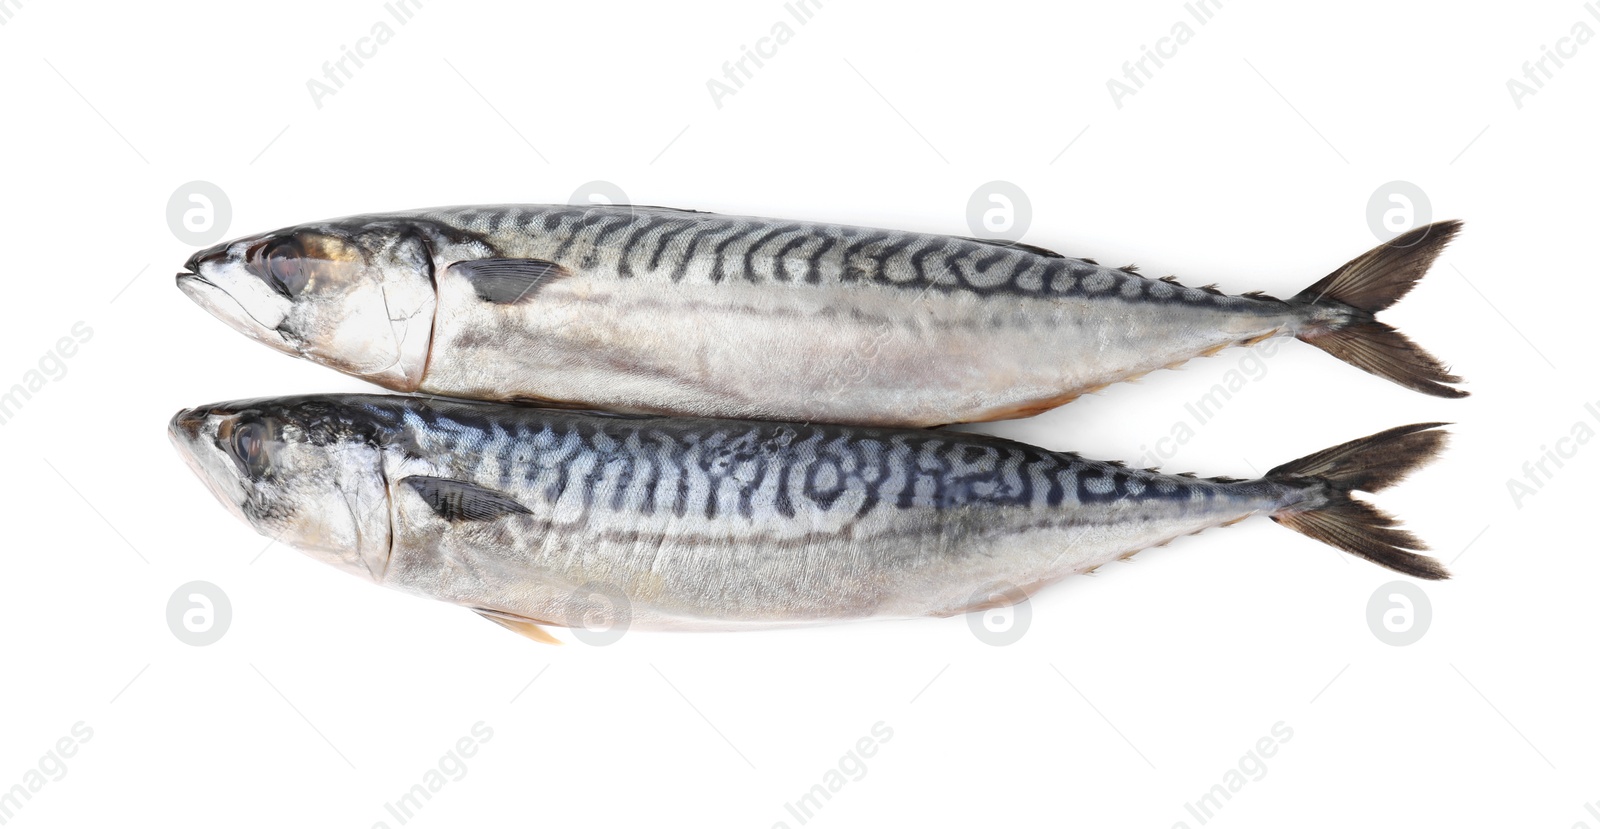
(222, 305)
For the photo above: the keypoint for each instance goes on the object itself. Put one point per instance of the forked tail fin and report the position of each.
(1369, 464)
(1341, 308)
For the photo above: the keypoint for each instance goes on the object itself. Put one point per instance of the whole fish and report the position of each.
(542, 517)
(653, 310)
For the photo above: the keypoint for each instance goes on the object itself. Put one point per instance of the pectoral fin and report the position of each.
(455, 500)
(518, 624)
(507, 281)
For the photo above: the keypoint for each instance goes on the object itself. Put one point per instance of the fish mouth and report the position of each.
(215, 253)
(192, 276)
(186, 424)
(186, 431)
(226, 307)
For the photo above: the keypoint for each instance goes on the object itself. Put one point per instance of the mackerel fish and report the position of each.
(659, 311)
(535, 517)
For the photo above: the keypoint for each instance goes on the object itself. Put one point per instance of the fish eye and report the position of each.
(249, 445)
(285, 268)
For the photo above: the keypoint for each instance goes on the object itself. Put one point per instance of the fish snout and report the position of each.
(185, 425)
(213, 255)
(195, 268)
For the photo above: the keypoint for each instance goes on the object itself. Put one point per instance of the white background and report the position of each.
(1248, 160)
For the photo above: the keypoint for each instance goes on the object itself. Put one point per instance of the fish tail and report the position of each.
(1329, 514)
(1341, 309)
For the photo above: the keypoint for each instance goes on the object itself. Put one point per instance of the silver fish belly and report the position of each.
(692, 524)
(714, 525)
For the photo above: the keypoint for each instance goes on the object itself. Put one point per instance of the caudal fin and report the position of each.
(1330, 515)
(1341, 308)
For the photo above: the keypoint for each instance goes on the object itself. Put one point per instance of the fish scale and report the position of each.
(713, 243)
(812, 466)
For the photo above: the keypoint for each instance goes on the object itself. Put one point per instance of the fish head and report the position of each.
(297, 470)
(353, 296)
